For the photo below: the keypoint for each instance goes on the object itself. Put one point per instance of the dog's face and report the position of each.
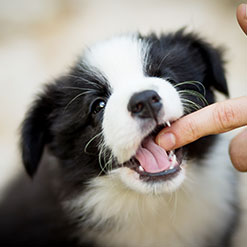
(101, 118)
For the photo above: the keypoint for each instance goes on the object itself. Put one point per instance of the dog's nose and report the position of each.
(145, 104)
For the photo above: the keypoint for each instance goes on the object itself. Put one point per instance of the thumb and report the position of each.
(242, 16)
(238, 151)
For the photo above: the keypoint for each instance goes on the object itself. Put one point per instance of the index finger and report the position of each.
(214, 119)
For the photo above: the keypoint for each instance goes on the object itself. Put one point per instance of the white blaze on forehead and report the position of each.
(119, 59)
(122, 61)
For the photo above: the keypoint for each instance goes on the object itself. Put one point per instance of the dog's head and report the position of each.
(101, 118)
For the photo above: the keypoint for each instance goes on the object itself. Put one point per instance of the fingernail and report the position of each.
(166, 141)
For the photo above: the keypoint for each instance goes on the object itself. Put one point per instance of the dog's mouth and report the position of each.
(152, 162)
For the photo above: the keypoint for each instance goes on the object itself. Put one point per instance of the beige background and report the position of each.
(39, 39)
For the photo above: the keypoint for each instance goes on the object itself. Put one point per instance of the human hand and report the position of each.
(213, 119)
(242, 16)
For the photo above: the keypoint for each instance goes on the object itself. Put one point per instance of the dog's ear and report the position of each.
(215, 74)
(35, 133)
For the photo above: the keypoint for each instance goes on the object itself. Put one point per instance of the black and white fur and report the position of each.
(81, 133)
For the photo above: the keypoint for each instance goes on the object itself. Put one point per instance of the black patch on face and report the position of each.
(65, 118)
(181, 57)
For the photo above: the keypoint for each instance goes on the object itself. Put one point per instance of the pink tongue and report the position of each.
(152, 157)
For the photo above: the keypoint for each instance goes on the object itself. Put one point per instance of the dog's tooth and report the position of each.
(174, 159)
(141, 169)
(171, 167)
(168, 123)
(171, 154)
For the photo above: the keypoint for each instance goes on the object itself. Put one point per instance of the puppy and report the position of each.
(102, 179)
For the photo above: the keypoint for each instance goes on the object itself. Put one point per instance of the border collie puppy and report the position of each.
(102, 179)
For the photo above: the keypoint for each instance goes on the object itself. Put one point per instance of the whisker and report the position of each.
(83, 79)
(100, 163)
(187, 109)
(194, 93)
(76, 88)
(194, 83)
(102, 152)
(163, 59)
(90, 141)
(76, 97)
(188, 104)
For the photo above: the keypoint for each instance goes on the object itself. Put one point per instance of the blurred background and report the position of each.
(39, 39)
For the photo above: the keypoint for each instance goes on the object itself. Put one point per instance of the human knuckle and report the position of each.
(224, 116)
(192, 130)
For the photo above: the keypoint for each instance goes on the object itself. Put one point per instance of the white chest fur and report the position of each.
(198, 210)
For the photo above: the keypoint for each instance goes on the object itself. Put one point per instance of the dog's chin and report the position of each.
(152, 169)
(134, 181)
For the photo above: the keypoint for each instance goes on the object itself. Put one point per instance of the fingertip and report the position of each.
(166, 140)
(242, 16)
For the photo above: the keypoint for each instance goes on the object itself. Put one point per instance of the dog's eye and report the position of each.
(98, 105)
